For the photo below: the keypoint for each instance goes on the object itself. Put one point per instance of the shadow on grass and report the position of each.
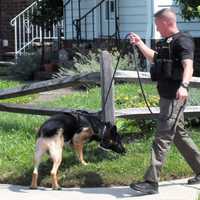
(94, 154)
(65, 172)
(90, 179)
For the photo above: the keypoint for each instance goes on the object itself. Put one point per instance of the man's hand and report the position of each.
(146, 51)
(134, 38)
(182, 94)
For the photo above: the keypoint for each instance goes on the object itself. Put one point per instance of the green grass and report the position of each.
(5, 84)
(91, 99)
(17, 142)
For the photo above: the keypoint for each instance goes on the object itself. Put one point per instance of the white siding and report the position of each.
(193, 27)
(133, 17)
(85, 5)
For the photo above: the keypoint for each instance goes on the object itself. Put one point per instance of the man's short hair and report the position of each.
(163, 13)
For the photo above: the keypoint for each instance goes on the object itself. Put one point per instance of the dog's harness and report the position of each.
(94, 121)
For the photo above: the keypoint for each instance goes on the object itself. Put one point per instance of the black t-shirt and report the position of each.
(181, 47)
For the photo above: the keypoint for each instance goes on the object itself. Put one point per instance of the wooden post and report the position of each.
(106, 78)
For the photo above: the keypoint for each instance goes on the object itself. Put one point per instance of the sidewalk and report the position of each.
(171, 190)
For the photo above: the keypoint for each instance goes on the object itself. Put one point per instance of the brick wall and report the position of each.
(8, 10)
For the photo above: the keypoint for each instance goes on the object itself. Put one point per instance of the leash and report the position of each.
(99, 114)
(115, 69)
(140, 82)
(178, 116)
(117, 64)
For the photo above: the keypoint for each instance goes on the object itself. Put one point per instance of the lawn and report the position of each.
(8, 84)
(17, 141)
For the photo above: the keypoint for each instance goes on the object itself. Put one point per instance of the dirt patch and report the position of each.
(53, 94)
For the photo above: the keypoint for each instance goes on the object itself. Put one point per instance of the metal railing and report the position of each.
(25, 33)
(99, 22)
(83, 27)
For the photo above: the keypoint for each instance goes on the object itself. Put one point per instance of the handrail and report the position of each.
(25, 32)
(12, 22)
(25, 46)
(67, 3)
(90, 11)
(81, 22)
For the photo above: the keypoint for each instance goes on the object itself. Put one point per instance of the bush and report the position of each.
(91, 63)
(30, 62)
(26, 65)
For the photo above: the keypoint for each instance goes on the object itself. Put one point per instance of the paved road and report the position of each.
(172, 190)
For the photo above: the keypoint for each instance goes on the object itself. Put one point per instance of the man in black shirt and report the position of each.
(172, 69)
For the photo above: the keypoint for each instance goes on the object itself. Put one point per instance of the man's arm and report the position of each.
(182, 92)
(188, 70)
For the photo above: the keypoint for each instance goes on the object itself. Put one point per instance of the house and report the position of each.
(86, 20)
(25, 34)
(8, 10)
(97, 19)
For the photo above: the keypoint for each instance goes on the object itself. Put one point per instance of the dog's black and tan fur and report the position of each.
(76, 129)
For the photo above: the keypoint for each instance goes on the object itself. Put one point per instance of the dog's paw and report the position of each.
(84, 163)
(33, 187)
(57, 188)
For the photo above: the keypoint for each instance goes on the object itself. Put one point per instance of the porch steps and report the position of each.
(6, 63)
(8, 56)
(4, 68)
(39, 44)
(26, 32)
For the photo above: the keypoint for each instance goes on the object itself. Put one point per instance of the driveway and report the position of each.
(170, 190)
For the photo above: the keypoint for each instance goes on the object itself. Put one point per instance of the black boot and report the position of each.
(194, 180)
(145, 187)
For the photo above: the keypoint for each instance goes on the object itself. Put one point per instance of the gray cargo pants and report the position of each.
(171, 129)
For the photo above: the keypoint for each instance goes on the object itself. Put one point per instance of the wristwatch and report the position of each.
(185, 85)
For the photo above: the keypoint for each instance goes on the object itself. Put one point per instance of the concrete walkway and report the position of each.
(171, 190)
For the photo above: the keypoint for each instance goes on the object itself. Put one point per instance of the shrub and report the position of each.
(125, 62)
(26, 65)
(30, 62)
(91, 63)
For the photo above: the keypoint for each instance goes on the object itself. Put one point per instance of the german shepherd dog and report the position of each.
(75, 128)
